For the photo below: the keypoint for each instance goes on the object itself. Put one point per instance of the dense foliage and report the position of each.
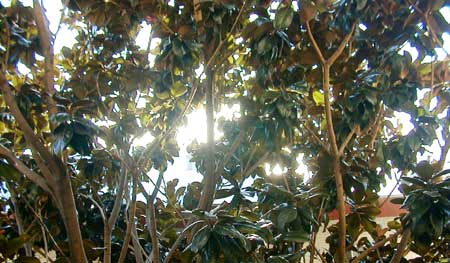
(321, 79)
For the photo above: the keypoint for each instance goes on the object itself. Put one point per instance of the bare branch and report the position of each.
(314, 44)
(237, 141)
(249, 170)
(179, 239)
(117, 202)
(374, 247)
(96, 204)
(46, 41)
(401, 247)
(316, 138)
(348, 138)
(376, 128)
(37, 147)
(328, 113)
(22, 168)
(341, 47)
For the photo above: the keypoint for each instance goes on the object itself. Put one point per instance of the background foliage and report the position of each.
(324, 79)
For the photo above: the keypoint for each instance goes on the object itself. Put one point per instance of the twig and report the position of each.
(41, 223)
(376, 128)
(314, 44)
(316, 138)
(392, 191)
(341, 47)
(347, 139)
(96, 204)
(314, 234)
(46, 41)
(374, 247)
(38, 149)
(179, 239)
(233, 27)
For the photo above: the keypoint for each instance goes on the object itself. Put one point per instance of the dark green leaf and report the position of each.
(283, 18)
(200, 238)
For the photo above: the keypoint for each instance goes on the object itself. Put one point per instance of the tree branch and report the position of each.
(347, 139)
(398, 255)
(233, 27)
(314, 44)
(209, 186)
(316, 138)
(23, 169)
(46, 41)
(374, 247)
(341, 47)
(179, 239)
(37, 147)
(117, 202)
(237, 141)
(376, 128)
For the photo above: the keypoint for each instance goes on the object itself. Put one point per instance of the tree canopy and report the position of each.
(318, 78)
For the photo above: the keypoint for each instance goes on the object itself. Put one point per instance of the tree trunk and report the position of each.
(342, 258)
(209, 185)
(67, 208)
(107, 233)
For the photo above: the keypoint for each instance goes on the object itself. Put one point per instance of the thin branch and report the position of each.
(46, 41)
(128, 218)
(248, 171)
(374, 247)
(179, 239)
(151, 219)
(320, 255)
(401, 247)
(23, 169)
(117, 202)
(40, 153)
(347, 139)
(328, 113)
(377, 126)
(237, 141)
(341, 47)
(392, 191)
(96, 204)
(316, 138)
(233, 27)
(8, 42)
(138, 251)
(314, 44)
(314, 234)
(41, 223)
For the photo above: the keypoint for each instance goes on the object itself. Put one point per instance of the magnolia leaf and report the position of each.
(200, 238)
(178, 89)
(63, 135)
(283, 18)
(286, 215)
(318, 98)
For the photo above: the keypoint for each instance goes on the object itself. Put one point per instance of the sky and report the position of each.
(182, 168)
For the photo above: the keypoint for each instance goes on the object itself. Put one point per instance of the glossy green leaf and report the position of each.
(200, 238)
(286, 215)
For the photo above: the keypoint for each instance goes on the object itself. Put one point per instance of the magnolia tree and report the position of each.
(321, 79)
